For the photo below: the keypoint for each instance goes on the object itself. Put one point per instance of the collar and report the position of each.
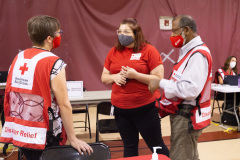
(191, 44)
(40, 48)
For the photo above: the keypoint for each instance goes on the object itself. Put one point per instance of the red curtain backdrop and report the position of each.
(90, 30)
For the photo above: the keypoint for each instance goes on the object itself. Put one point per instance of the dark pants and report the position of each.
(144, 120)
(32, 154)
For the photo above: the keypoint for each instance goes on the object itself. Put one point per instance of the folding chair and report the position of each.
(104, 125)
(217, 96)
(77, 109)
(100, 152)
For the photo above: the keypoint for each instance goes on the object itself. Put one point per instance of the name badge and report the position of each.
(136, 56)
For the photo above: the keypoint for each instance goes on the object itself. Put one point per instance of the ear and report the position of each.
(187, 30)
(49, 39)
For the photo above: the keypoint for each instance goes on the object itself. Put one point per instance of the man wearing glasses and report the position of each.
(36, 95)
(187, 92)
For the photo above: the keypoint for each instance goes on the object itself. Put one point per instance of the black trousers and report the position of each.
(32, 154)
(144, 120)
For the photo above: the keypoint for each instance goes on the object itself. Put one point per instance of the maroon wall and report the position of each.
(90, 30)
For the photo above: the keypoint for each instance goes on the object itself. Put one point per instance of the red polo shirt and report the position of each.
(134, 93)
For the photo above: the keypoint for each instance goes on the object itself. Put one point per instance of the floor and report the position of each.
(216, 143)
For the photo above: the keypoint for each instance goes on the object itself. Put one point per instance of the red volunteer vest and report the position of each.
(223, 73)
(29, 73)
(168, 106)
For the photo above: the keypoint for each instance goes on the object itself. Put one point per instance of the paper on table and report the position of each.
(75, 89)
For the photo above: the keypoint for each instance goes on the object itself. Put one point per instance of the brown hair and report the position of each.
(139, 41)
(40, 27)
(227, 63)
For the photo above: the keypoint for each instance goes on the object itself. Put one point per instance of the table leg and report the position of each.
(235, 112)
(223, 109)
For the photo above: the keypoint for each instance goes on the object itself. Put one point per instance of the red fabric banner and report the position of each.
(90, 30)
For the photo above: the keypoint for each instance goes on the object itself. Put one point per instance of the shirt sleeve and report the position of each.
(58, 66)
(107, 63)
(192, 81)
(154, 58)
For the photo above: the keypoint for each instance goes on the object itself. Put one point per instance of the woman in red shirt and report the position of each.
(129, 67)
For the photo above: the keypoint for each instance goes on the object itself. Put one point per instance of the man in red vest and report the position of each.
(36, 106)
(187, 92)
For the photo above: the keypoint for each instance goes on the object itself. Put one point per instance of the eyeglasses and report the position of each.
(123, 32)
(174, 30)
(60, 32)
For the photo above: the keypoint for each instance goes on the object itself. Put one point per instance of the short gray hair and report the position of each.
(187, 20)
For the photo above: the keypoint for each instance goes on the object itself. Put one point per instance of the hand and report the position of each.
(153, 85)
(129, 72)
(119, 79)
(81, 146)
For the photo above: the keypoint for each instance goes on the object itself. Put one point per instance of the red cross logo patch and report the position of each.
(23, 68)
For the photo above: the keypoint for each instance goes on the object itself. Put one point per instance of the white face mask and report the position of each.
(232, 64)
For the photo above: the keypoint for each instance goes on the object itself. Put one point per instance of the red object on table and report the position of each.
(144, 157)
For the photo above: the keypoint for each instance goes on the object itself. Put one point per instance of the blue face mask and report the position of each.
(125, 40)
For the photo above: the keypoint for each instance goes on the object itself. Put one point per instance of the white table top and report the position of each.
(225, 88)
(92, 97)
(88, 96)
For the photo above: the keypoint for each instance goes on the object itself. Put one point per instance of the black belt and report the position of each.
(182, 111)
(185, 106)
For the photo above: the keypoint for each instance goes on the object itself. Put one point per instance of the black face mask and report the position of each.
(125, 40)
